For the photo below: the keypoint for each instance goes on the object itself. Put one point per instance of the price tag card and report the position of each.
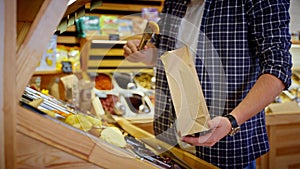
(66, 67)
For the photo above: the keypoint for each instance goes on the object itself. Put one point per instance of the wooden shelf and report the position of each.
(131, 7)
(50, 72)
(107, 56)
(106, 37)
(125, 8)
(295, 42)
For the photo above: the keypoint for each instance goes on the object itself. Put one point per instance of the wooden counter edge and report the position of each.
(282, 118)
(190, 159)
(80, 144)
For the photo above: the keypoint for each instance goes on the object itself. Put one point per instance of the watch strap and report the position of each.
(234, 125)
(232, 120)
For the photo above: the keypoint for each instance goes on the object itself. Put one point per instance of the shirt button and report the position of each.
(169, 100)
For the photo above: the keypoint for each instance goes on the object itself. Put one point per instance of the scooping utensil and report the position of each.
(150, 29)
(143, 108)
(120, 108)
(131, 85)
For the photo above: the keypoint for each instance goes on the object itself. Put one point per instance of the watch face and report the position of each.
(234, 131)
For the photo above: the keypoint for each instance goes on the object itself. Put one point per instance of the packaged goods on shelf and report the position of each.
(35, 83)
(109, 24)
(150, 14)
(68, 54)
(71, 88)
(48, 60)
(88, 26)
(85, 94)
(62, 55)
(125, 27)
(113, 25)
(54, 88)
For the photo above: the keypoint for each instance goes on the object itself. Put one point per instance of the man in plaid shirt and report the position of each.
(243, 62)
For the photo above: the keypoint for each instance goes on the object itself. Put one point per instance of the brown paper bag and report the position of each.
(189, 103)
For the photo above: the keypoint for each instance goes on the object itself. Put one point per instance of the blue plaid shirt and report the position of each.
(239, 40)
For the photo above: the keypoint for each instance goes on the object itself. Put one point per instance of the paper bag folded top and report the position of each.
(186, 92)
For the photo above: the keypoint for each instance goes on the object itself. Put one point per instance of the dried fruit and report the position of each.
(114, 136)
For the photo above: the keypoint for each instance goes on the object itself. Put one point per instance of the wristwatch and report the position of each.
(234, 125)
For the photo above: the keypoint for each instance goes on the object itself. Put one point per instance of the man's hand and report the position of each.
(148, 55)
(219, 126)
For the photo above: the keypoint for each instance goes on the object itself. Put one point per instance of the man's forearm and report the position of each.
(266, 88)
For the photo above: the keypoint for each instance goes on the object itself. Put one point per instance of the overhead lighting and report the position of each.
(70, 2)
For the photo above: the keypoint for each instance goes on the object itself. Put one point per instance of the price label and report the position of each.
(66, 67)
(114, 37)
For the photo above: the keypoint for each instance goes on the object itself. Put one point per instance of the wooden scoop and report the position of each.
(150, 29)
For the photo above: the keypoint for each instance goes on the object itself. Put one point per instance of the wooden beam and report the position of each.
(2, 47)
(37, 39)
(22, 30)
(8, 30)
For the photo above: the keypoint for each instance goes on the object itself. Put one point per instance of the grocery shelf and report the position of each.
(107, 56)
